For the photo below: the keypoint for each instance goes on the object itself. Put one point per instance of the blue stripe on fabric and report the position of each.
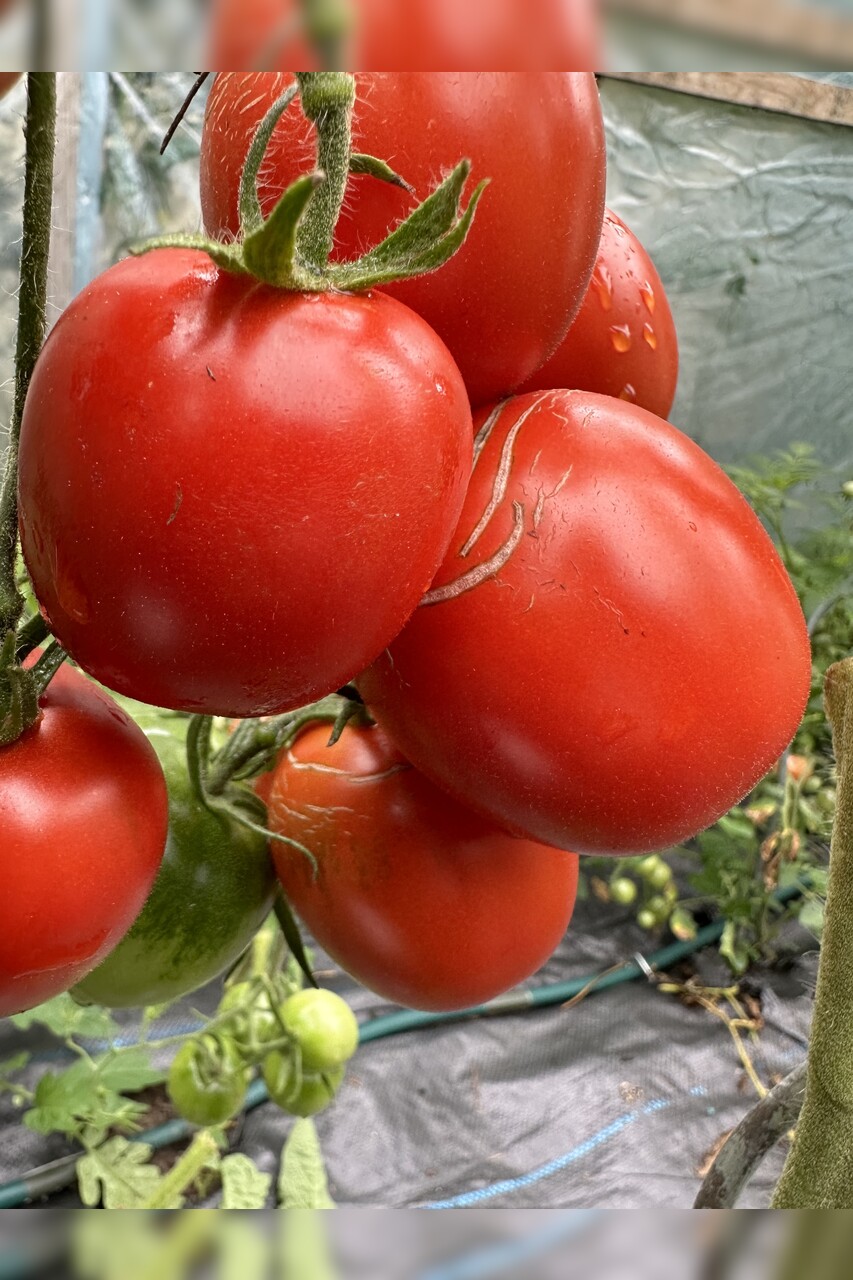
(493, 1259)
(508, 1185)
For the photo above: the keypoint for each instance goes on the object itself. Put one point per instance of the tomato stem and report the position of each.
(819, 1171)
(35, 248)
(327, 99)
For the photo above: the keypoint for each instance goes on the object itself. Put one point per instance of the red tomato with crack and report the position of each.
(623, 341)
(84, 814)
(232, 497)
(419, 35)
(420, 899)
(506, 299)
(612, 653)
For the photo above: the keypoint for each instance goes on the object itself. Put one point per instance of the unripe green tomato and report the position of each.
(623, 890)
(648, 867)
(646, 919)
(305, 1096)
(812, 784)
(207, 1083)
(324, 1026)
(659, 876)
(659, 908)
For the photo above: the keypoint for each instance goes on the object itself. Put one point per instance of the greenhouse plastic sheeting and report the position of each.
(748, 215)
(614, 1102)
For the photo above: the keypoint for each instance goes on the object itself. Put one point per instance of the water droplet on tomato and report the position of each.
(647, 293)
(620, 336)
(650, 336)
(628, 392)
(602, 283)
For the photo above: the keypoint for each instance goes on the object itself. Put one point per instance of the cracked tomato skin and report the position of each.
(629, 657)
(422, 900)
(83, 811)
(231, 497)
(506, 299)
(623, 341)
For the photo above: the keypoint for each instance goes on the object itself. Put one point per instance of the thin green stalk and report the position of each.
(32, 301)
(819, 1171)
(327, 100)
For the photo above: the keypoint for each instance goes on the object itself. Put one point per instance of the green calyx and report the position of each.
(291, 248)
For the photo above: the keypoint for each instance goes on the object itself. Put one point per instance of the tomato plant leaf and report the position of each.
(305, 1246)
(12, 1065)
(376, 168)
(65, 1018)
(128, 1071)
(244, 1185)
(60, 1099)
(302, 1180)
(119, 1175)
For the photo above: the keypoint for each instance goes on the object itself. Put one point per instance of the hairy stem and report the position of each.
(327, 99)
(32, 299)
(819, 1171)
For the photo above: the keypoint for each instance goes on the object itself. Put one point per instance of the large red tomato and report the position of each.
(612, 654)
(506, 299)
(84, 813)
(623, 340)
(232, 497)
(418, 35)
(417, 897)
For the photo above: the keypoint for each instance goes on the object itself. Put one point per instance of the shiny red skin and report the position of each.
(417, 897)
(623, 341)
(637, 664)
(84, 812)
(506, 299)
(514, 35)
(232, 497)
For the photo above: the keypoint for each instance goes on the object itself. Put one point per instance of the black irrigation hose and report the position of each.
(59, 1174)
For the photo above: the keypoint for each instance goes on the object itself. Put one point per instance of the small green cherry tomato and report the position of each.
(623, 891)
(207, 1081)
(324, 1026)
(304, 1095)
(646, 919)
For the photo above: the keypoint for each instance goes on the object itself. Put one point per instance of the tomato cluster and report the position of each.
(253, 469)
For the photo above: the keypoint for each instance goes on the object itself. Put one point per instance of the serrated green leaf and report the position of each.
(305, 1248)
(129, 1070)
(61, 1098)
(13, 1065)
(244, 1185)
(65, 1018)
(302, 1179)
(119, 1176)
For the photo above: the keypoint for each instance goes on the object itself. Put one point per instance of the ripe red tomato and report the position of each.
(615, 654)
(83, 811)
(232, 497)
(506, 299)
(417, 36)
(416, 896)
(623, 341)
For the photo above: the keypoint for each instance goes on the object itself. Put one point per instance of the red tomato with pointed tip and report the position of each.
(417, 897)
(506, 299)
(612, 653)
(419, 35)
(84, 813)
(232, 497)
(623, 341)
